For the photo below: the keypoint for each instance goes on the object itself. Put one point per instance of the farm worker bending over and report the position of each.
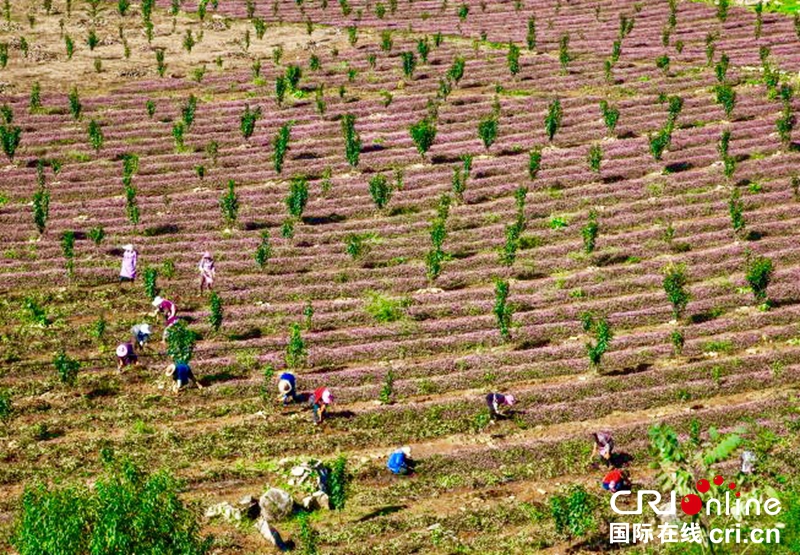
(125, 355)
(207, 272)
(320, 400)
(603, 445)
(497, 402)
(167, 308)
(615, 481)
(287, 386)
(400, 461)
(128, 270)
(141, 334)
(181, 373)
(748, 459)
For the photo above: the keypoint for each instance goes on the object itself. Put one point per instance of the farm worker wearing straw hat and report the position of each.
(320, 399)
(182, 374)
(128, 270)
(141, 334)
(497, 402)
(125, 355)
(207, 272)
(287, 387)
(400, 461)
(167, 308)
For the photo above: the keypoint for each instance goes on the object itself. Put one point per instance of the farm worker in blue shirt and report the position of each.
(400, 461)
(287, 386)
(182, 374)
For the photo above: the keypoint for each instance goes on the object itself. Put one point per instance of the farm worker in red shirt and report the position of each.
(497, 402)
(614, 481)
(207, 272)
(128, 270)
(125, 355)
(167, 308)
(603, 446)
(320, 400)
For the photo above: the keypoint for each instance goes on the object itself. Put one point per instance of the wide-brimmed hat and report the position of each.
(206, 254)
(145, 328)
(284, 386)
(157, 301)
(406, 450)
(122, 350)
(170, 369)
(327, 397)
(510, 400)
(127, 247)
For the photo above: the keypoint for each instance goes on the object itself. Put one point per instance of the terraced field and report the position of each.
(378, 309)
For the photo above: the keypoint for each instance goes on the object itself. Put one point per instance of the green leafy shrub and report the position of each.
(409, 63)
(423, 134)
(338, 483)
(96, 235)
(595, 157)
(296, 353)
(180, 342)
(610, 116)
(229, 203)
(127, 511)
(263, 250)
(678, 341)
(308, 536)
(674, 283)
(573, 512)
(589, 232)
(736, 211)
(530, 35)
(216, 311)
(41, 208)
(552, 121)
(603, 337)
(513, 58)
(68, 250)
(352, 140)
(66, 367)
(502, 310)
(95, 135)
(149, 280)
(386, 309)
(380, 190)
(487, 130)
(6, 406)
(298, 196)
(75, 106)
(247, 121)
(280, 145)
(758, 273)
(385, 395)
(563, 53)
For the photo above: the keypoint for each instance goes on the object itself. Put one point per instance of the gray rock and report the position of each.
(322, 498)
(272, 535)
(276, 504)
(310, 503)
(225, 510)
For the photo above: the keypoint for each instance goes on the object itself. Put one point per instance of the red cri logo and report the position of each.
(691, 504)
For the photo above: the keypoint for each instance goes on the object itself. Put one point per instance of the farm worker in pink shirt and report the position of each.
(207, 272)
(167, 308)
(125, 356)
(128, 270)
